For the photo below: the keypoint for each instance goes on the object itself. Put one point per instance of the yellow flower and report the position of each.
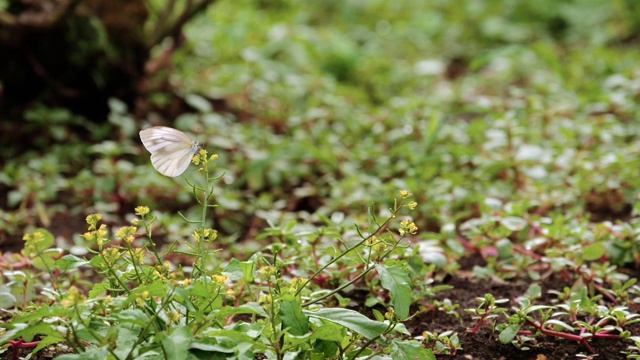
(74, 297)
(296, 284)
(407, 227)
(264, 299)
(93, 220)
(219, 279)
(174, 316)
(126, 234)
(268, 271)
(142, 210)
(404, 194)
(412, 205)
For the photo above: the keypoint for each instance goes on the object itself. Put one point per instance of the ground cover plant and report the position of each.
(444, 180)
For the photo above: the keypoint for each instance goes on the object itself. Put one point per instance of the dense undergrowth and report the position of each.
(365, 150)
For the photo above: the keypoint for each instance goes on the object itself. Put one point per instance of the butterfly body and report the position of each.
(171, 150)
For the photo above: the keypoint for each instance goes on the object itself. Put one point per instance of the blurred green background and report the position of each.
(318, 109)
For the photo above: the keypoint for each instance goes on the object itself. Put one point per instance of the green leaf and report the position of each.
(561, 324)
(176, 345)
(293, 318)
(7, 300)
(396, 279)
(43, 312)
(50, 339)
(505, 248)
(182, 296)
(134, 316)
(28, 332)
(248, 308)
(46, 260)
(198, 102)
(330, 332)
(69, 262)
(593, 251)
(509, 333)
(513, 223)
(410, 350)
(156, 288)
(91, 354)
(233, 271)
(534, 291)
(97, 290)
(352, 320)
(237, 270)
(328, 349)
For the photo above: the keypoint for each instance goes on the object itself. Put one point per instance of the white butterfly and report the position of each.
(171, 150)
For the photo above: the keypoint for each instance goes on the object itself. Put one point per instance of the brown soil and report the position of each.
(485, 344)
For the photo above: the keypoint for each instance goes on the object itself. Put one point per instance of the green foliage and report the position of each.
(145, 308)
(513, 124)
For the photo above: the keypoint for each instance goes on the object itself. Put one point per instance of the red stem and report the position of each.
(17, 344)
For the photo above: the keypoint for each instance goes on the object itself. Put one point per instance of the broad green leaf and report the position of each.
(90, 354)
(248, 308)
(226, 341)
(182, 296)
(401, 329)
(28, 332)
(328, 349)
(297, 340)
(68, 262)
(176, 345)
(7, 300)
(396, 279)
(97, 290)
(561, 324)
(505, 248)
(330, 332)
(352, 320)
(509, 333)
(43, 312)
(46, 260)
(593, 251)
(198, 102)
(293, 318)
(233, 271)
(135, 316)
(50, 339)
(248, 269)
(127, 337)
(410, 350)
(237, 270)
(534, 291)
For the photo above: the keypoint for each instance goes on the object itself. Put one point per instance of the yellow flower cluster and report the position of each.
(142, 210)
(142, 298)
(32, 240)
(127, 234)
(219, 279)
(408, 227)
(296, 284)
(205, 235)
(201, 158)
(268, 271)
(74, 297)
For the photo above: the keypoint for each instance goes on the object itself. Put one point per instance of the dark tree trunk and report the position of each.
(78, 53)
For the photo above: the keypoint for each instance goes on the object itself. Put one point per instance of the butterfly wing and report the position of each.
(172, 163)
(171, 150)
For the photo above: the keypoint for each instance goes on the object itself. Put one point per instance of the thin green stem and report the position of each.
(364, 239)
